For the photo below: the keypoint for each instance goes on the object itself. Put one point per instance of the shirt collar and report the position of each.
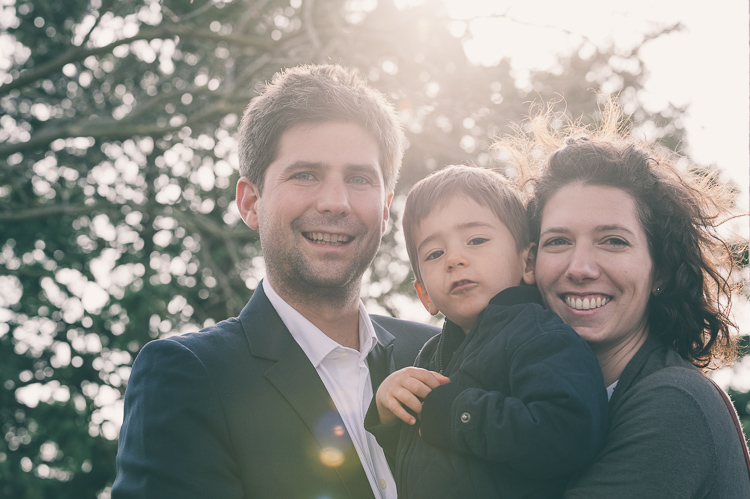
(314, 342)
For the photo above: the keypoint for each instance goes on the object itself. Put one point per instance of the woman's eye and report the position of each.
(616, 241)
(477, 241)
(434, 255)
(556, 241)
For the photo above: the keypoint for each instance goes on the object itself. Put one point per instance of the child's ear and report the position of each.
(424, 297)
(530, 263)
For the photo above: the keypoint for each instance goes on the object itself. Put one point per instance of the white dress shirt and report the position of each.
(611, 389)
(346, 376)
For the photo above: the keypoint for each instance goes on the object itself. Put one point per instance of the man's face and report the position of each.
(323, 209)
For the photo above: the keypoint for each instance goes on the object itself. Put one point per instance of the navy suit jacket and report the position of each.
(238, 411)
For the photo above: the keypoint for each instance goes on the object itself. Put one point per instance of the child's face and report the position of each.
(466, 256)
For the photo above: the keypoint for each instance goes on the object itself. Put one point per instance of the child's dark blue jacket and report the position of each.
(526, 408)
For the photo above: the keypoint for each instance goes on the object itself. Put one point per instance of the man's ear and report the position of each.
(530, 264)
(386, 212)
(248, 196)
(424, 297)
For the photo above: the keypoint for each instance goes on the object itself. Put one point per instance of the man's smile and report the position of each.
(328, 238)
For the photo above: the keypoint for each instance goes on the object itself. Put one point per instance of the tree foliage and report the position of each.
(117, 123)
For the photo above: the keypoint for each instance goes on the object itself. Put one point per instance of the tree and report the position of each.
(117, 123)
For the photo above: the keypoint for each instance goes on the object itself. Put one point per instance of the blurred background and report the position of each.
(118, 165)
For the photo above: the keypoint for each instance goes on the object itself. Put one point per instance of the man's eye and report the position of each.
(477, 241)
(304, 176)
(359, 179)
(434, 255)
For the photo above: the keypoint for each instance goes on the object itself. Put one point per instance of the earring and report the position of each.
(657, 292)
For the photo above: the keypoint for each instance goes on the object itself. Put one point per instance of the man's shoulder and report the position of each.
(217, 339)
(400, 327)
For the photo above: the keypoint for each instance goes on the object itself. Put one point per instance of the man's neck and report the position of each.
(334, 311)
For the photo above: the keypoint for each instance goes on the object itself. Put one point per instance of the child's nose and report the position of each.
(455, 260)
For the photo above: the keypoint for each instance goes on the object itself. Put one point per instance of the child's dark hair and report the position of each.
(486, 187)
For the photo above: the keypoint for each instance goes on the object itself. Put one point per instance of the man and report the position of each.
(271, 404)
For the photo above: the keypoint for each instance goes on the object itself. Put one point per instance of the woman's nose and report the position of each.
(582, 265)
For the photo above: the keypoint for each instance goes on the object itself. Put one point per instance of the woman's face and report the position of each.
(593, 265)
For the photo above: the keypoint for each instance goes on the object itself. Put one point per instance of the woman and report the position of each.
(629, 256)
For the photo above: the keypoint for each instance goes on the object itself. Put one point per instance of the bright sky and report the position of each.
(705, 66)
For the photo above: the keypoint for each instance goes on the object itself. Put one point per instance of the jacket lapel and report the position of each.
(296, 379)
(380, 359)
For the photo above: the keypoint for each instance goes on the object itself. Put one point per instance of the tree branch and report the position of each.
(111, 130)
(80, 53)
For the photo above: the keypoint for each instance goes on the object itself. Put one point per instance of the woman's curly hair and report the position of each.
(680, 210)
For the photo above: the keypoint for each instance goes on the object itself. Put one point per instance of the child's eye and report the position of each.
(477, 241)
(434, 255)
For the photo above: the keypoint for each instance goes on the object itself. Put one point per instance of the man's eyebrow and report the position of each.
(466, 225)
(303, 165)
(317, 166)
(364, 168)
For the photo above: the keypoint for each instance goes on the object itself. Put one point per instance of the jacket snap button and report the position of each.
(465, 417)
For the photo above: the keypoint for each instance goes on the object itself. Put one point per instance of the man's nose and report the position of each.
(333, 198)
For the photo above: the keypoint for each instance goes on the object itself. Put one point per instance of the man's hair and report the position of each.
(486, 187)
(315, 94)
(679, 210)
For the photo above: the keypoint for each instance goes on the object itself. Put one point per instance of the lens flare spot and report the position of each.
(339, 431)
(332, 457)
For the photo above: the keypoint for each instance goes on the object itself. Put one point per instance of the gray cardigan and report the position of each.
(671, 436)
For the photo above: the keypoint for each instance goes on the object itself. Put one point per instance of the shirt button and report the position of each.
(383, 484)
(465, 417)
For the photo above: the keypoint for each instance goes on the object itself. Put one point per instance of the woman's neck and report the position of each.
(615, 358)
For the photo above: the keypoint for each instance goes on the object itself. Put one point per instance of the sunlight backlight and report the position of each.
(332, 457)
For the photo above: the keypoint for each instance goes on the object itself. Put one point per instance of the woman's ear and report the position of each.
(658, 282)
(530, 263)
(424, 297)
(657, 287)
(248, 196)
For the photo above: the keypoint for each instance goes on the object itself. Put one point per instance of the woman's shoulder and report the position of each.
(673, 384)
(678, 385)
(677, 415)
(680, 401)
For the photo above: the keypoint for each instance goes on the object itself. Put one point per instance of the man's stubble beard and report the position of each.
(294, 276)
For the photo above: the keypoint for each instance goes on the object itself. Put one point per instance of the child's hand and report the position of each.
(406, 387)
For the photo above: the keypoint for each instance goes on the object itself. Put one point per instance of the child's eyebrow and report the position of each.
(461, 226)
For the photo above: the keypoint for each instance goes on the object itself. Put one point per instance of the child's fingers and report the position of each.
(402, 414)
(440, 378)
